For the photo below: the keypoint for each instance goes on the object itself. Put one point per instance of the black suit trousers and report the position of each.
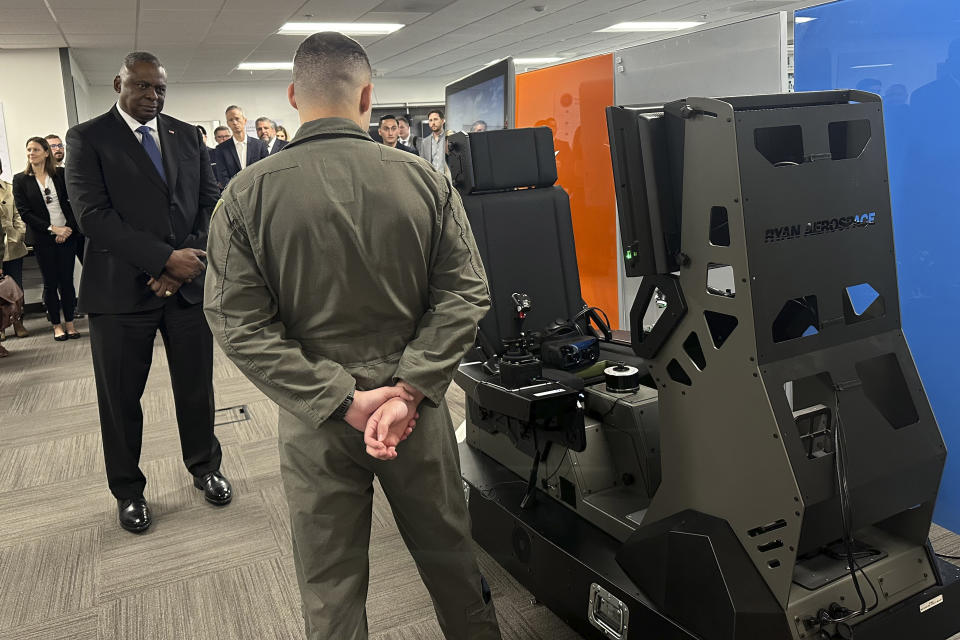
(56, 263)
(122, 346)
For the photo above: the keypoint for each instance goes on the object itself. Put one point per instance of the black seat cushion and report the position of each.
(526, 243)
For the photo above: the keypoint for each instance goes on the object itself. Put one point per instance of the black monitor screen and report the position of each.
(483, 100)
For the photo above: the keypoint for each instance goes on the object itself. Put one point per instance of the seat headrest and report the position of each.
(502, 160)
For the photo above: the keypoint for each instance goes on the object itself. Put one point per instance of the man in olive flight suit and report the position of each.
(343, 279)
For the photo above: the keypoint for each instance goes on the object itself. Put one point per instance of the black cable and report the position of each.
(587, 310)
(560, 464)
(846, 515)
(614, 406)
(946, 557)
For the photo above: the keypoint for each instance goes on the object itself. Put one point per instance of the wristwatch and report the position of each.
(341, 411)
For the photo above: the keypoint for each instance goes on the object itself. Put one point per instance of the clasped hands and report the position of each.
(182, 266)
(60, 234)
(385, 416)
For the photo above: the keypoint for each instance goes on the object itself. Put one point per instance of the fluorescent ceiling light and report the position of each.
(264, 66)
(346, 28)
(535, 60)
(802, 19)
(872, 66)
(627, 27)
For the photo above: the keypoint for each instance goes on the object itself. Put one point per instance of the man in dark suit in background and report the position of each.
(240, 151)
(267, 132)
(143, 190)
(390, 134)
(407, 137)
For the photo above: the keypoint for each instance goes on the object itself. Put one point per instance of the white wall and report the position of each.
(81, 89)
(33, 99)
(206, 102)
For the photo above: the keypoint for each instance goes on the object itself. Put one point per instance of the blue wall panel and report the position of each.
(908, 51)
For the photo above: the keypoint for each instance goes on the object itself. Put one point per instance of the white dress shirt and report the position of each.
(134, 125)
(273, 142)
(241, 151)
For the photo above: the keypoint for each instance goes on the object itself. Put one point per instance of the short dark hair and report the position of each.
(134, 57)
(436, 111)
(266, 119)
(329, 65)
(52, 135)
(221, 128)
(232, 107)
(202, 131)
(388, 116)
(405, 118)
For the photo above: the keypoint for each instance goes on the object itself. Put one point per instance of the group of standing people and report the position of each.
(356, 357)
(236, 150)
(36, 212)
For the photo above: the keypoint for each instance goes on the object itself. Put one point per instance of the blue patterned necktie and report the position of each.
(151, 148)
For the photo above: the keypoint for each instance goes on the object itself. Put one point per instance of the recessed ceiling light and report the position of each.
(535, 60)
(346, 28)
(802, 19)
(264, 66)
(626, 27)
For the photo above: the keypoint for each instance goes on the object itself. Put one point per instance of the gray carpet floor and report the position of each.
(67, 571)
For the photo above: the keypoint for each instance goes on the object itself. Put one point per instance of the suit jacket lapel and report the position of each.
(170, 149)
(36, 194)
(129, 143)
(250, 143)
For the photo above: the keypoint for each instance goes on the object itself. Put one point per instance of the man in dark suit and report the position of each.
(390, 134)
(240, 151)
(267, 132)
(143, 190)
(407, 137)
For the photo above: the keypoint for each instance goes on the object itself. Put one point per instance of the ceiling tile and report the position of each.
(14, 41)
(336, 10)
(101, 40)
(83, 5)
(177, 18)
(25, 14)
(41, 27)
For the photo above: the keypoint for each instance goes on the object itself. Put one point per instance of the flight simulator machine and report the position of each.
(757, 459)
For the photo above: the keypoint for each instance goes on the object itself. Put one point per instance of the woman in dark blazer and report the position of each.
(40, 193)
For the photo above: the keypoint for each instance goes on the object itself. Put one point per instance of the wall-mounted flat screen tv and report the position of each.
(482, 100)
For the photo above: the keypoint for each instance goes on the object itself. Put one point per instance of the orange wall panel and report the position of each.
(571, 99)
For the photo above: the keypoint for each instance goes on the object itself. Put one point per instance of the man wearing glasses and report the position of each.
(57, 148)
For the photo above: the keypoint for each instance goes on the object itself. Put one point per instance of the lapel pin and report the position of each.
(171, 131)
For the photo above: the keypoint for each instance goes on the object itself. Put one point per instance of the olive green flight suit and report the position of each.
(336, 264)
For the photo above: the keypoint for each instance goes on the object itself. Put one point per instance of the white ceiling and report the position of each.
(204, 40)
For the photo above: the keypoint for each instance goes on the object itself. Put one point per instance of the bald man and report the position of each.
(345, 282)
(141, 187)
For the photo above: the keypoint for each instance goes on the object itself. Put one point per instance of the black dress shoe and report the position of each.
(73, 336)
(134, 514)
(61, 338)
(216, 488)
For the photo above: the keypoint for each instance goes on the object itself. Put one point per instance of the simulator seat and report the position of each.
(522, 225)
